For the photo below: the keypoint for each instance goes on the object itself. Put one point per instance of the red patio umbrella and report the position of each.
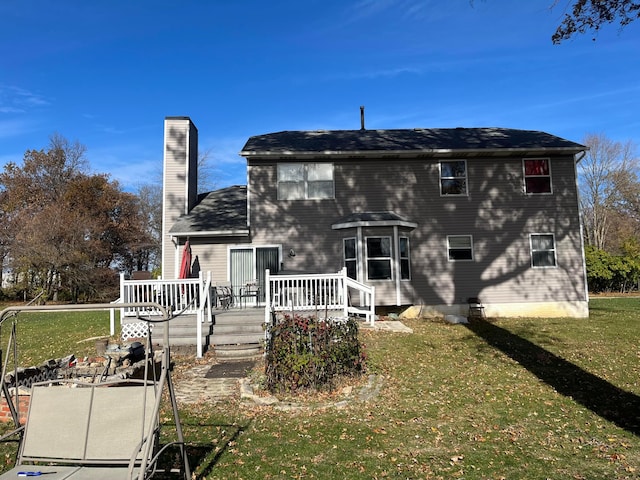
(185, 265)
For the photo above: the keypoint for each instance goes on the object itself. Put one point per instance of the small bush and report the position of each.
(307, 353)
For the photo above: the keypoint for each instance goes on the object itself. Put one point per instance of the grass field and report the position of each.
(504, 399)
(42, 336)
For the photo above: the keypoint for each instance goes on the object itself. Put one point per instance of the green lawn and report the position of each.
(42, 336)
(506, 399)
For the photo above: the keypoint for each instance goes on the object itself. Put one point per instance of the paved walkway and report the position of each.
(389, 326)
(194, 385)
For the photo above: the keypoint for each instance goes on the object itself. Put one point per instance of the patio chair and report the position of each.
(224, 296)
(88, 430)
(249, 290)
(476, 309)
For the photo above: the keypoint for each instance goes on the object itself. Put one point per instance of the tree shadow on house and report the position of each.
(601, 397)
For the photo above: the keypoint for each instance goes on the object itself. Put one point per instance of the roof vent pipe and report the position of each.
(362, 118)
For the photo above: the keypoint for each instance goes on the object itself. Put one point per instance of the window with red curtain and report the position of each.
(537, 175)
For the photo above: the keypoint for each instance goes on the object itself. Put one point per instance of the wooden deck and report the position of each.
(203, 322)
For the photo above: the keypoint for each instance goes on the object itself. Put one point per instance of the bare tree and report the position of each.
(150, 202)
(206, 172)
(591, 15)
(582, 16)
(607, 179)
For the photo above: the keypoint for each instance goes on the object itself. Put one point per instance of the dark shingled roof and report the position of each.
(221, 211)
(349, 142)
(372, 218)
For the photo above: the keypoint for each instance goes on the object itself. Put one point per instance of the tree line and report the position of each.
(610, 209)
(65, 232)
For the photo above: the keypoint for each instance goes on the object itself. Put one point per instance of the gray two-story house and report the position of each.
(430, 217)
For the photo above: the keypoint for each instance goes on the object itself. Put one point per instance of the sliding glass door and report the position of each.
(248, 264)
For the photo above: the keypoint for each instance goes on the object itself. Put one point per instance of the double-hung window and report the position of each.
(543, 250)
(351, 257)
(537, 175)
(405, 268)
(460, 247)
(378, 258)
(299, 181)
(453, 177)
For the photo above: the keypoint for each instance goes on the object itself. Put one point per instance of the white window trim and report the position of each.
(473, 255)
(306, 181)
(400, 258)
(554, 250)
(344, 251)
(525, 176)
(367, 258)
(466, 178)
(253, 248)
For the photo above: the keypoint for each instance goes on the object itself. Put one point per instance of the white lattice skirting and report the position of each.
(135, 330)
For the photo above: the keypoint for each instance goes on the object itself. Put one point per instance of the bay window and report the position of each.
(378, 252)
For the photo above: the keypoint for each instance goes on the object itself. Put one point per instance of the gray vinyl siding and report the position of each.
(210, 257)
(303, 226)
(496, 212)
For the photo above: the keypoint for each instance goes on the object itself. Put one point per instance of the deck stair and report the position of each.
(238, 333)
(235, 333)
(182, 331)
(182, 334)
(203, 322)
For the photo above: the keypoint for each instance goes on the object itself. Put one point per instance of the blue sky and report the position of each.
(107, 73)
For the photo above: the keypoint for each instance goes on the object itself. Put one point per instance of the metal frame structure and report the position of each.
(143, 460)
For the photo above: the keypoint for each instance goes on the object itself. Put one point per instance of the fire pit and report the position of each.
(119, 362)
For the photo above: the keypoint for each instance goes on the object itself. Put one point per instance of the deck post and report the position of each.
(372, 307)
(112, 312)
(199, 316)
(209, 298)
(267, 295)
(345, 293)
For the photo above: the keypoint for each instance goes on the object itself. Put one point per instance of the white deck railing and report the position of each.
(190, 296)
(318, 292)
(181, 295)
(283, 293)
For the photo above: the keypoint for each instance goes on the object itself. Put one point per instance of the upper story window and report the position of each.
(460, 247)
(543, 250)
(453, 177)
(378, 258)
(299, 181)
(537, 175)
